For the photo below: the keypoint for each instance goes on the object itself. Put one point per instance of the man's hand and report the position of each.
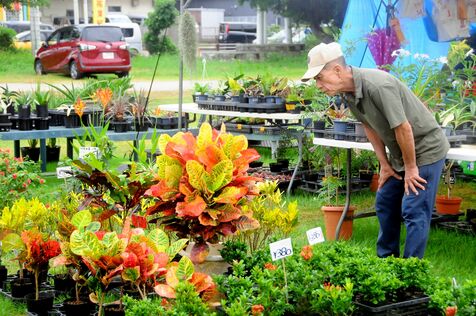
(386, 172)
(413, 181)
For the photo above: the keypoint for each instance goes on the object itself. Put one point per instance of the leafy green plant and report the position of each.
(202, 186)
(139, 106)
(201, 88)
(41, 97)
(23, 99)
(329, 191)
(6, 38)
(5, 104)
(234, 251)
(70, 95)
(119, 107)
(8, 96)
(158, 21)
(234, 87)
(333, 300)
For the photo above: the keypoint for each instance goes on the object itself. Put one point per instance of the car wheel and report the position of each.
(123, 74)
(73, 71)
(39, 68)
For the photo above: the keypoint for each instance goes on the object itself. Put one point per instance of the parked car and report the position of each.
(84, 49)
(237, 32)
(22, 26)
(117, 18)
(132, 35)
(23, 40)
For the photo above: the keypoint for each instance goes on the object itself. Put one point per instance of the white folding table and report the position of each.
(465, 152)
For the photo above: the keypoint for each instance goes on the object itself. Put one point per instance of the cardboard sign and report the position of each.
(64, 172)
(281, 249)
(83, 151)
(315, 236)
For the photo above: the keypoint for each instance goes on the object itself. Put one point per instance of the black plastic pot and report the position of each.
(72, 121)
(256, 164)
(42, 123)
(269, 99)
(284, 163)
(11, 109)
(4, 118)
(142, 126)
(114, 310)
(121, 126)
(42, 110)
(73, 308)
(25, 124)
(3, 274)
(22, 287)
(275, 167)
(24, 111)
(42, 305)
(201, 97)
(254, 100)
(52, 153)
(32, 153)
(219, 98)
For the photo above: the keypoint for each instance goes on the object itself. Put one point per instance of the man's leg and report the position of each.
(417, 211)
(388, 206)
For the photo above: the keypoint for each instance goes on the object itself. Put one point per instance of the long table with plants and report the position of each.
(465, 152)
(70, 133)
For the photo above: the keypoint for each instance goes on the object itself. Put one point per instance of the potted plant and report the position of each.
(117, 113)
(38, 252)
(329, 194)
(235, 89)
(253, 90)
(219, 91)
(280, 90)
(72, 100)
(339, 114)
(140, 111)
(447, 204)
(5, 123)
(52, 151)
(32, 151)
(266, 84)
(202, 185)
(41, 99)
(200, 92)
(9, 96)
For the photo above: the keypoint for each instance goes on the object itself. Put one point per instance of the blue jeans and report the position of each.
(393, 205)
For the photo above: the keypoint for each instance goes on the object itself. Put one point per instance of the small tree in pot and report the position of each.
(447, 204)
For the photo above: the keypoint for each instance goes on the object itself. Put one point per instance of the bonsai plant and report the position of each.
(117, 112)
(202, 185)
(447, 204)
(329, 195)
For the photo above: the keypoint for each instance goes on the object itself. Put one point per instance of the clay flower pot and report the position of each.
(332, 215)
(448, 206)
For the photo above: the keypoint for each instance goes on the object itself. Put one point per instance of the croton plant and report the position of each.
(202, 184)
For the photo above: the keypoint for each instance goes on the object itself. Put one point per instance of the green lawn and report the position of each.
(17, 66)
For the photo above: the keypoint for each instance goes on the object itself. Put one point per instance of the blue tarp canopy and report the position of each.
(359, 21)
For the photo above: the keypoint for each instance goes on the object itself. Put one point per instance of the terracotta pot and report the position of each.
(447, 206)
(374, 182)
(332, 215)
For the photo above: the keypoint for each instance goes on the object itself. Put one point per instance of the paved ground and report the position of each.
(158, 85)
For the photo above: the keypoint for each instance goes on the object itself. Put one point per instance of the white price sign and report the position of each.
(83, 151)
(315, 236)
(281, 249)
(64, 172)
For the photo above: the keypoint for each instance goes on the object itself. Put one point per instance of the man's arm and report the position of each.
(386, 170)
(404, 136)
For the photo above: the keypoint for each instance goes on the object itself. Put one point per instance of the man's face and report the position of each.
(329, 81)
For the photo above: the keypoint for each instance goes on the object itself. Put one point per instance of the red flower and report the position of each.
(269, 266)
(29, 181)
(306, 252)
(24, 185)
(257, 310)
(14, 176)
(42, 181)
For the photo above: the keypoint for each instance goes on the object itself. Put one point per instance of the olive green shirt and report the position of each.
(383, 102)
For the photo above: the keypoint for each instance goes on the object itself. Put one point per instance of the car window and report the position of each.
(75, 34)
(44, 35)
(102, 34)
(65, 35)
(53, 39)
(127, 31)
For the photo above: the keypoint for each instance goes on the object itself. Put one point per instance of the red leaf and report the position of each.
(139, 221)
(199, 252)
(229, 214)
(162, 191)
(206, 220)
(227, 229)
(162, 259)
(201, 281)
(106, 215)
(192, 207)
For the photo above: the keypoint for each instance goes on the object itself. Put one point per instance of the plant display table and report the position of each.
(465, 152)
(70, 134)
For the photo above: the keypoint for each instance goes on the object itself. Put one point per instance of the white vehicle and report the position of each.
(132, 35)
(117, 18)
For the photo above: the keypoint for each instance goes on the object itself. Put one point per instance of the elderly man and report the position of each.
(394, 119)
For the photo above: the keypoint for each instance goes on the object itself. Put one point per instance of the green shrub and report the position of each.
(6, 38)
(158, 21)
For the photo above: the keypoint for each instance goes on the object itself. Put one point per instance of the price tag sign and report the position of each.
(83, 151)
(281, 249)
(315, 236)
(64, 172)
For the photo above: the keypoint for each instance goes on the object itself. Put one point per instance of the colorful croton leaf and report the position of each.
(202, 184)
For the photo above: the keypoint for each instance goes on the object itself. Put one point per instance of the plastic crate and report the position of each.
(413, 307)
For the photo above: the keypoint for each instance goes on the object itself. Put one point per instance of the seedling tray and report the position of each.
(412, 307)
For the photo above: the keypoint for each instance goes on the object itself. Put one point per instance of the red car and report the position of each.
(84, 49)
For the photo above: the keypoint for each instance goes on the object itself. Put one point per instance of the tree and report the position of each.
(158, 21)
(311, 12)
(32, 3)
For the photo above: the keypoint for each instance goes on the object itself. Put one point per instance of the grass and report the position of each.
(17, 66)
(7, 307)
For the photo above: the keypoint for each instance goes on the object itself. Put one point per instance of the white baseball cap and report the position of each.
(319, 56)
